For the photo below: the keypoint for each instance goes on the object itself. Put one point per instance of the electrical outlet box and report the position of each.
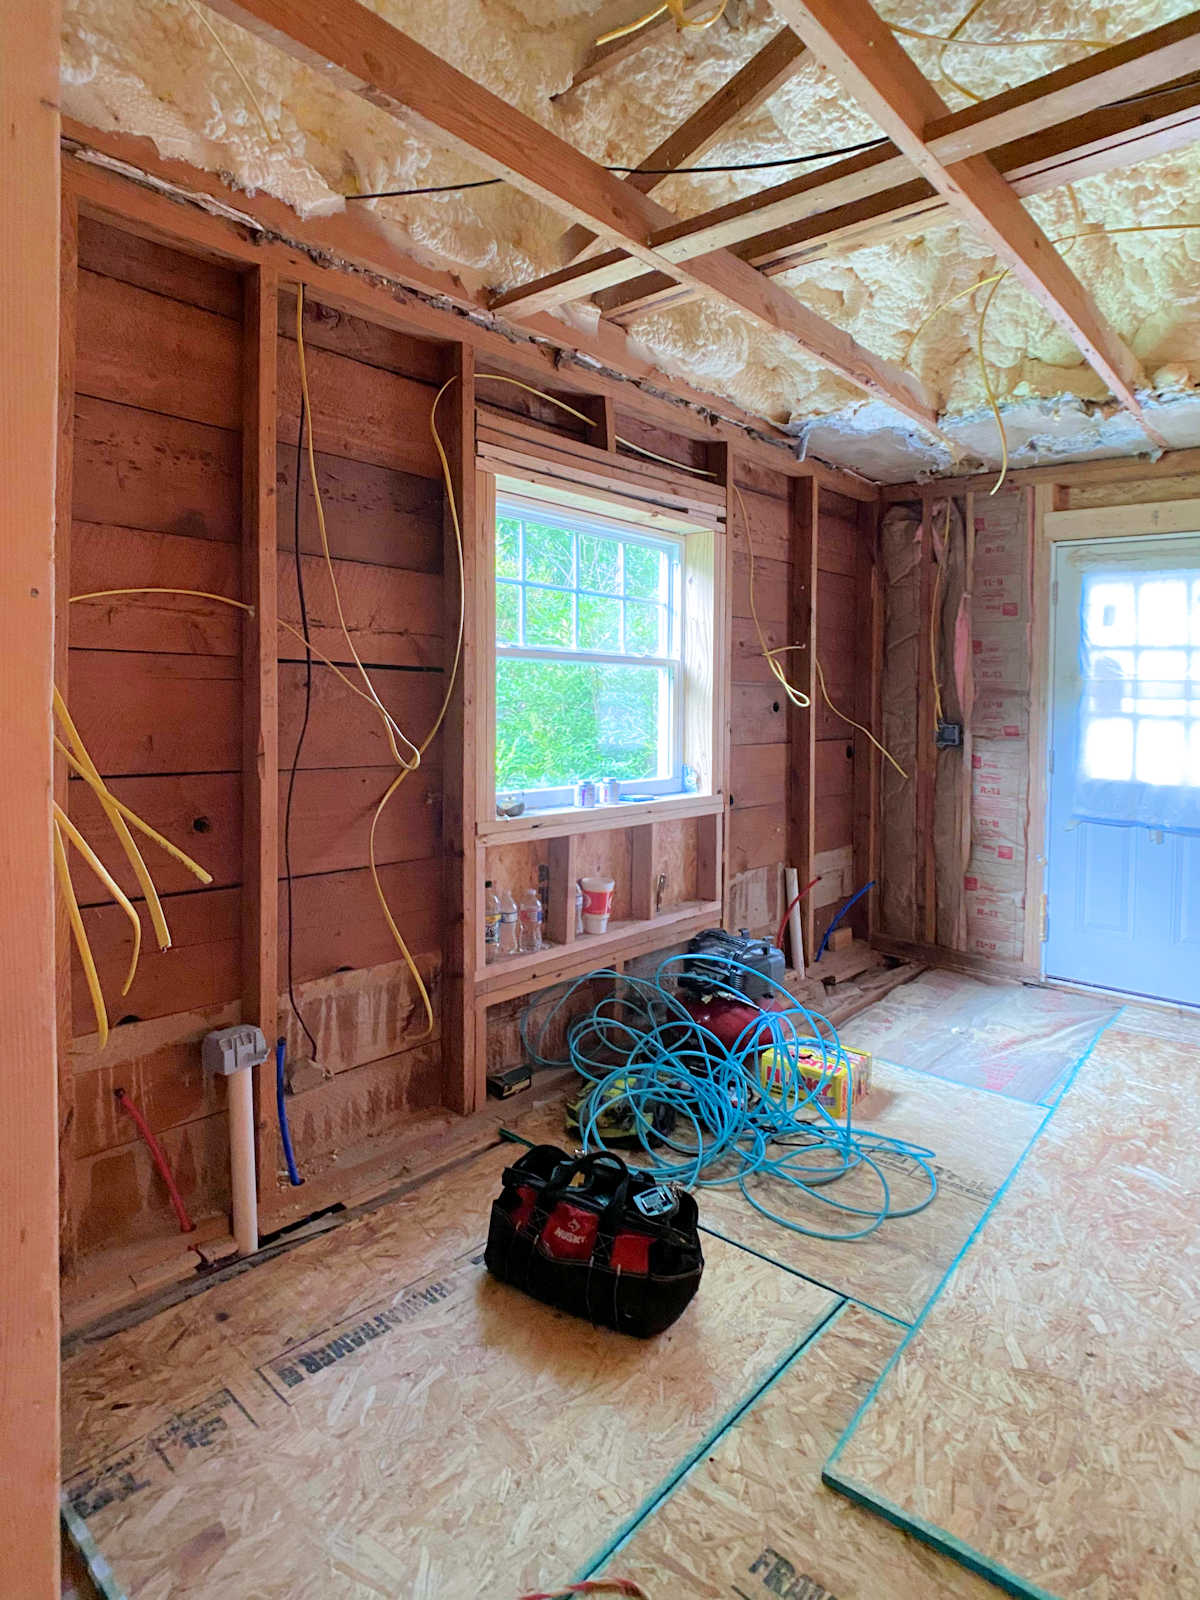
(228, 1050)
(949, 736)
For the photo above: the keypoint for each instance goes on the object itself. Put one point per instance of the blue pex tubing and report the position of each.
(641, 1051)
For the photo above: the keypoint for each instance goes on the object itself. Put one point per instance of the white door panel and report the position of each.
(1123, 841)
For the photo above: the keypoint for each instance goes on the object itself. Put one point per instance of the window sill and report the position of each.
(563, 820)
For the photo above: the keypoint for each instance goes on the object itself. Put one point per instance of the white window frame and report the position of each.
(627, 533)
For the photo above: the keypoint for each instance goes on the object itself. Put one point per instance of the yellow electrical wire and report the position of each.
(110, 883)
(883, 750)
(943, 70)
(933, 612)
(391, 727)
(245, 82)
(675, 7)
(117, 821)
(797, 697)
(496, 377)
(62, 871)
(993, 44)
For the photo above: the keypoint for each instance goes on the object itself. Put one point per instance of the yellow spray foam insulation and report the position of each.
(153, 67)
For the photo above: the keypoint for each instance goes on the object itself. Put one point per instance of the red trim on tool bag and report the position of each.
(631, 1252)
(523, 1210)
(570, 1232)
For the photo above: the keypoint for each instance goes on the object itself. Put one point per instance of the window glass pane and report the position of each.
(1108, 748)
(1111, 613)
(549, 619)
(599, 564)
(644, 572)
(1161, 686)
(560, 721)
(508, 547)
(508, 611)
(644, 629)
(599, 624)
(1161, 752)
(1163, 611)
(549, 555)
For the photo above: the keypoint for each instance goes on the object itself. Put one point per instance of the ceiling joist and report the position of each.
(853, 41)
(749, 87)
(832, 206)
(1085, 147)
(361, 53)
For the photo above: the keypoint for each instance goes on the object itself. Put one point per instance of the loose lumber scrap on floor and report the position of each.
(372, 1414)
(1041, 1420)
(976, 1139)
(753, 1519)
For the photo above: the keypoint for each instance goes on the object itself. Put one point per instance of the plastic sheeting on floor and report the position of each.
(1011, 1038)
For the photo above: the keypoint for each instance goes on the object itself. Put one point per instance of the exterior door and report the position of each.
(1123, 830)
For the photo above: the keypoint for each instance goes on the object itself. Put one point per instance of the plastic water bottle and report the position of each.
(508, 925)
(491, 922)
(529, 925)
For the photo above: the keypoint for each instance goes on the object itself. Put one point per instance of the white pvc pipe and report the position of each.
(791, 888)
(241, 1160)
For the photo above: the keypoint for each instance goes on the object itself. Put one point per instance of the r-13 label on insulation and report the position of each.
(349, 1338)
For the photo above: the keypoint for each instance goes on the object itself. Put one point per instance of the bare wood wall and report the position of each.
(169, 488)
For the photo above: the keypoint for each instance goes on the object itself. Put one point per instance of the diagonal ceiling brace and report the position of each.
(854, 42)
(357, 50)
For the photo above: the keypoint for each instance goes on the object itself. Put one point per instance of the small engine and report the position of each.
(709, 968)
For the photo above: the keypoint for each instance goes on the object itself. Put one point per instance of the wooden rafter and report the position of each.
(858, 46)
(1096, 142)
(749, 87)
(361, 53)
(1078, 92)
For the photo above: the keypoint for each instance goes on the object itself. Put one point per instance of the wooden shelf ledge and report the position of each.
(512, 976)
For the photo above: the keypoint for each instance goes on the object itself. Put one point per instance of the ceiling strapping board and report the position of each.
(790, 290)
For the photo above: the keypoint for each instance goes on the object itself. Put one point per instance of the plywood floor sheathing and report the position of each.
(1043, 1417)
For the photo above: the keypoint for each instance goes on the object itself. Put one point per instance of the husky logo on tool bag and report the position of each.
(571, 1232)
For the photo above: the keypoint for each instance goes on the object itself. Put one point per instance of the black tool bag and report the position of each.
(593, 1237)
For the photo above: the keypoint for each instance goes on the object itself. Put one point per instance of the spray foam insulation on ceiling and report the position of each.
(155, 68)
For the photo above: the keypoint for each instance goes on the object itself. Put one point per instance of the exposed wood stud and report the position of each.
(29, 1134)
(260, 705)
(801, 670)
(464, 1062)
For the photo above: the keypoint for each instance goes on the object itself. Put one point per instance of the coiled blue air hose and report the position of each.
(640, 1047)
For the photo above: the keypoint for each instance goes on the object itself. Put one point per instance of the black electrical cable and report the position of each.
(648, 172)
(308, 679)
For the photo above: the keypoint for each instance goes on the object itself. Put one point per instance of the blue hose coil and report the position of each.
(281, 1109)
(639, 1046)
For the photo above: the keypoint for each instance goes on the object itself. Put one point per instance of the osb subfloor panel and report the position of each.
(752, 1519)
(977, 1138)
(1044, 1415)
(371, 1415)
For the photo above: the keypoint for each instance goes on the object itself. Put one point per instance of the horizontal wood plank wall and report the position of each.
(758, 766)
(371, 391)
(843, 756)
(155, 688)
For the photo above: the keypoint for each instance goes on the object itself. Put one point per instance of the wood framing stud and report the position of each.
(29, 1135)
(260, 706)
